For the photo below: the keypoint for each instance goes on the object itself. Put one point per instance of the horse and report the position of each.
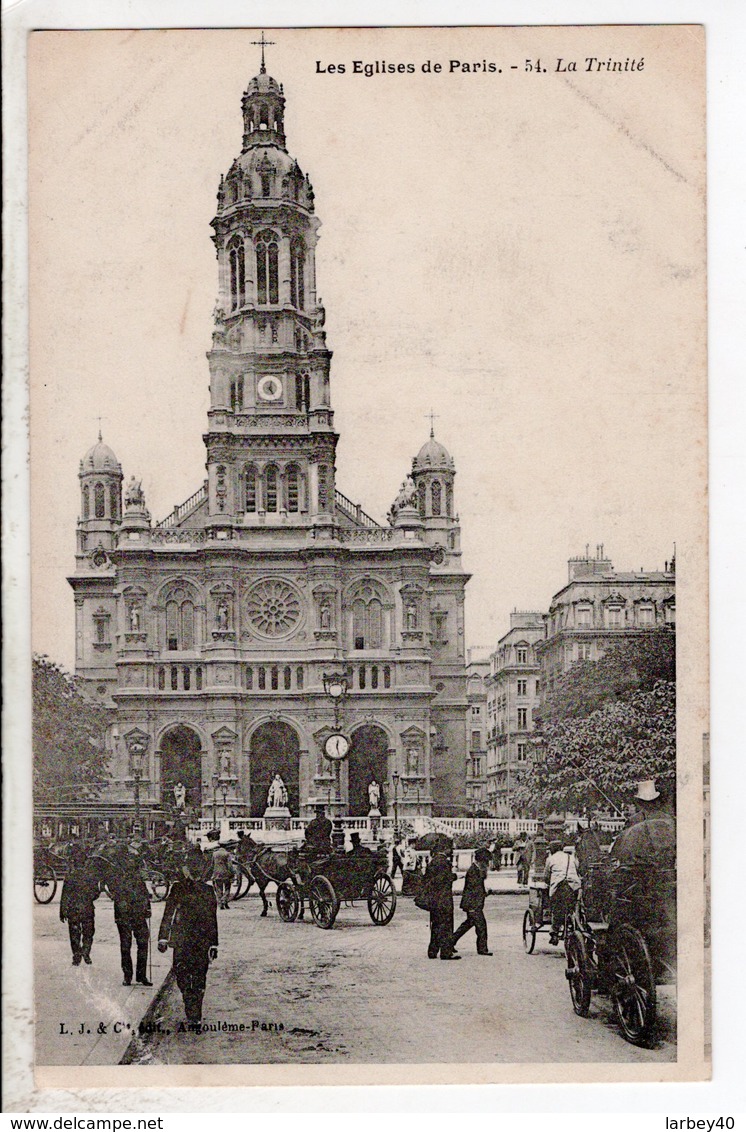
(263, 865)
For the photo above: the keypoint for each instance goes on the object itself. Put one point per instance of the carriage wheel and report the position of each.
(529, 931)
(382, 900)
(45, 884)
(578, 974)
(323, 902)
(288, 901)
(632, 984)
(158, 887)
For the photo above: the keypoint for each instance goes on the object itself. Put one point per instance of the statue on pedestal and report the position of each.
(374, 795)
(413, 762)
(277, 797)
(179, 796)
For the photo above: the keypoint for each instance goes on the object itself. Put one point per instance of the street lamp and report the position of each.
(395, 780)
(136, 763)
(224, 791)
(336, 686)
(215, 781)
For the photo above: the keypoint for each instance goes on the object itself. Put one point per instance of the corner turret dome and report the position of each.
(432, 455)
(100, 458)
(263, 84)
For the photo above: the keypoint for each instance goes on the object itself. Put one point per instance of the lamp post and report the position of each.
(336, 686)
(224, 791)
(136, 763)
(215, 781)
(395, 780)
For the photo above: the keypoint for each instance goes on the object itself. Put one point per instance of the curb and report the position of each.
(137, 1041)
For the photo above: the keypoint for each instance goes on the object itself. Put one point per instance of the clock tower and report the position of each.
(270, 440)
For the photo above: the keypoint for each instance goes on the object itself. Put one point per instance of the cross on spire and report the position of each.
(432, 417)
(262, 43)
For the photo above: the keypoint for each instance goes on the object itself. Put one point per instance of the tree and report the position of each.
(636, 664)
(69, 737)
(596, 760)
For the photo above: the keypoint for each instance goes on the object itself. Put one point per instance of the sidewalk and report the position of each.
(93, 999)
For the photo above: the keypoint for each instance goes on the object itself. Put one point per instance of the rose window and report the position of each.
(273, 607)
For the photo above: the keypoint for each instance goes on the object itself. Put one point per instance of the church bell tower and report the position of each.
(270, 441)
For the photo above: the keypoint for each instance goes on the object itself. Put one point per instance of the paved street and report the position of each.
(362, 993)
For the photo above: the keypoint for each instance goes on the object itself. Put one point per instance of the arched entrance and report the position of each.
(275, 749)
(368, 762)
(181, 761)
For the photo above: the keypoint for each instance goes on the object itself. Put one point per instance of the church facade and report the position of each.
(209, 634)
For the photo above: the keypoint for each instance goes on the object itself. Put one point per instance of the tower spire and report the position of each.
(262, 43)
(432, 417)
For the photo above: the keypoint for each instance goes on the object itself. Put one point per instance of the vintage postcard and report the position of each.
(369, 554)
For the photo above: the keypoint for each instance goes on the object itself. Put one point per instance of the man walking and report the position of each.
(190, 927)
(76, 905)
(472, 901)
(132, 915)
(222, 874)
(437, 885)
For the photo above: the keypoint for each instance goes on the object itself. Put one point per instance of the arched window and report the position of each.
(262, 679)
(302, 392)
(172, 626)
(387, 677)
(275, 677)
(359, 624)
(99, 501)
(249, 678)
(286, 677)
(292, 488)
(187, 678)
(266, 269)
(270, 488)
(297, 270)
(449, 500)
(199, 679)
(250, 494)
(374, 676)
(367, 621)
(86, 502)
(375, 624)
(361, 676)
(114, 501)
(174, 678)
(187, 625)
(435, 497)
(299, 678)
(161, 679)
(263, 116)
(421, 500)
(179, 623)
(236, 256)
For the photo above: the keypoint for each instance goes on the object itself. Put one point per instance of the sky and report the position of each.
(521, 252)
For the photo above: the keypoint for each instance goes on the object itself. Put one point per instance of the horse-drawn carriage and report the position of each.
(324, 882)
(621, 941)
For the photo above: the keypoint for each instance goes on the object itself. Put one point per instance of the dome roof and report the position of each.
(100, 458)
(261, 153)
(432, 455)
(263, 84)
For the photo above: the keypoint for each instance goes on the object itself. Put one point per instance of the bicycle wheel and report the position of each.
(45, 884)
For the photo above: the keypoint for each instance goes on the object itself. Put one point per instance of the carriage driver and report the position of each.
(562, 877)
(651, 838)
(318, 841)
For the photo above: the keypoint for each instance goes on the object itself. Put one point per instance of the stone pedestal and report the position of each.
(277, 817)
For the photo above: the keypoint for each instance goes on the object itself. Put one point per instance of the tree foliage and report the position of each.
(636, 664)
(69, 734)
(597, 760)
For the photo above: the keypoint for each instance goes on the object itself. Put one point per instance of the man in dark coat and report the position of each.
(318, 835)
(472, 901)
(190, 927)
(76, 904)
(131, 914)
(437, 884)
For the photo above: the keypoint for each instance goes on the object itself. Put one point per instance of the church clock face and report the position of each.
(269, 389)
(336, 747)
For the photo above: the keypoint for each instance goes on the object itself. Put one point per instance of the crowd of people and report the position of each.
(199, 883)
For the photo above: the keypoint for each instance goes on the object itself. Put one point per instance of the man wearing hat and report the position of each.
(190, 927)
(561, 874)
(357, 849)
(318, 834)
(437, 889)
(472, 901)
(131, 913)
(76, 904)
(222, 874)
(653, 836)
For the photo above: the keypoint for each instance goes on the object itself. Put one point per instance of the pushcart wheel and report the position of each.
(288, 902)
(578, 974)
(157, 887)
(529, 931)
(45, 884)
(632, 984)
(382, 900)
(323, 902)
